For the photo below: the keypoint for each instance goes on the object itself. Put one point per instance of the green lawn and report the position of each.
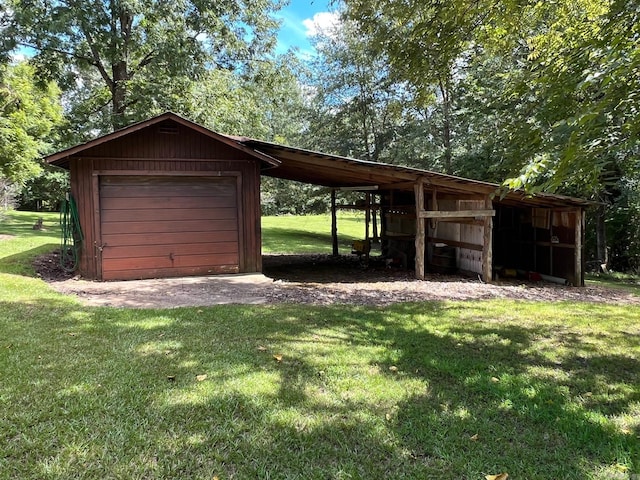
(310, 234)
(617, 281)
(442, 390)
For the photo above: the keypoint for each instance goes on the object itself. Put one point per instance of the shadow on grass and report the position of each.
(21, 224)
(115, 393)
(22, 263)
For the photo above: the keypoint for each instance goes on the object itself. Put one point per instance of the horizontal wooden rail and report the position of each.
(456, 213)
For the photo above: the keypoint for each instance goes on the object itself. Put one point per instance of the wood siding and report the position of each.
(145, 220)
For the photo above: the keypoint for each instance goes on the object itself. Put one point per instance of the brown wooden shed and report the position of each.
(166, 197)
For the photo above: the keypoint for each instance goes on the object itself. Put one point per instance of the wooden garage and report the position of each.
(166, 198)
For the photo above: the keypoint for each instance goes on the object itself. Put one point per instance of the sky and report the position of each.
(300, 20)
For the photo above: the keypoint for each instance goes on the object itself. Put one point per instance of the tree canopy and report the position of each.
(121, 52)
(29, 113)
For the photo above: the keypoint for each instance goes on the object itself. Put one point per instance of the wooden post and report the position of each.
(367, 215)
(334, 224)
(367, 223)
(487, 247)
(374, 218)
(578, 282)
(420, 233)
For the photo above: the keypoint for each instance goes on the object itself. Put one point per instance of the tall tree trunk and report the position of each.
(446, 125)
(119, 95)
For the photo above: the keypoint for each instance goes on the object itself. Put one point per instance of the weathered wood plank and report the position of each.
(578, 273)
(420, 230)
(457, 213)
(487, 251)
(334, 225)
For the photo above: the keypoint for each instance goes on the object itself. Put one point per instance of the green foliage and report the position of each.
(119, 53)
(44, 192)
(284, 197)
(29, 111)
(538, 95)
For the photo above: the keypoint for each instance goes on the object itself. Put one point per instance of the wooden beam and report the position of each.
(364, 188)
(367, 224)
(397, 186)
(374, 219)
(487, 248)
(457, 213)
(334, 224)
(420, 229)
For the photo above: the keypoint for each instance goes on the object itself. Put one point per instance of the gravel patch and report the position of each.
(314, 280)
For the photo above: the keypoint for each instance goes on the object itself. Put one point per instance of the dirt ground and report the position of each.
(310, 279)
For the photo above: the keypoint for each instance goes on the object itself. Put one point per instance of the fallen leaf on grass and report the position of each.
(500, 476)
(201, 378)
(262, 349)
(474, 438)
(278, 357)
(393, 368)
(495, 380)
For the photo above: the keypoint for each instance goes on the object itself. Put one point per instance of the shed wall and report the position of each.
(152, 152)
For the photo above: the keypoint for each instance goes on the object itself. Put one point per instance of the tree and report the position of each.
(120, 52)
(29, 112)
(46, 191)
(423, 41)
(356, 108)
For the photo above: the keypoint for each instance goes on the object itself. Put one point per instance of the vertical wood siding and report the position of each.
(150, 152)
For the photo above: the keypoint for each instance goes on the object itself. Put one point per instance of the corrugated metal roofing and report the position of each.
(335, 171)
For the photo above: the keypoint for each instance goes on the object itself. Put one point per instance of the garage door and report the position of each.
(168, 226)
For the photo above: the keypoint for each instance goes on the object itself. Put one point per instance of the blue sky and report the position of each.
(296, 20)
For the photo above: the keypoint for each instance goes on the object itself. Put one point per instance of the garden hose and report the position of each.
(71, 234)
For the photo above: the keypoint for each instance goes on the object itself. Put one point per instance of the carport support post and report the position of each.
(487, 247)
(334, 223)
(420, 230)
(579, 229)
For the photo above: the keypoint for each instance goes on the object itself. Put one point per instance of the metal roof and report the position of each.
(335, 171)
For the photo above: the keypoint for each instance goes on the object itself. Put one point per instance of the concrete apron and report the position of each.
(247, 289)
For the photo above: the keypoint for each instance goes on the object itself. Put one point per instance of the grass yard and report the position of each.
(310, 234)
(443, 390)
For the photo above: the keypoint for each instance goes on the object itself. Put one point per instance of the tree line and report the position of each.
(536, 95)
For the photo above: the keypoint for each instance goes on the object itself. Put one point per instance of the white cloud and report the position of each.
(322, 23)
